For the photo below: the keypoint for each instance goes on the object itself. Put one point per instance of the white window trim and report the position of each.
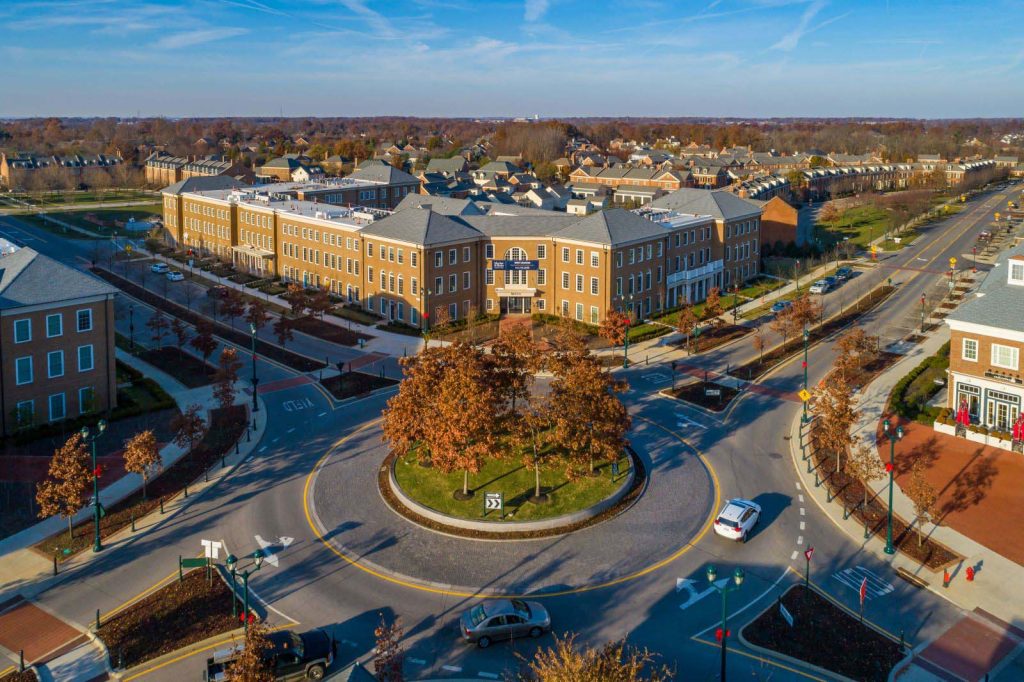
(31, 371)
(49, 407)
(27, 320)
(92, 357)
(47, 322)
(1016, 356)
(964, 350)
(63, 368)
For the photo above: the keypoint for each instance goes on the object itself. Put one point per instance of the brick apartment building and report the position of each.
(986, 345)
(450, 256)
(16, 170)
(163, 169)
(56, 341)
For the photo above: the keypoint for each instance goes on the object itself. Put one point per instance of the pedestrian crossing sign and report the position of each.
(804, 394)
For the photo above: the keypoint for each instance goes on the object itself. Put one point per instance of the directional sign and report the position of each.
(804, 394)
(211, 548)
(952, 262)
(712, 391)
(493, 502)
(786, 615)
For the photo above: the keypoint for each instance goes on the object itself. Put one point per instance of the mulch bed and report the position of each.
(352, 384)
(825, 635)
(639, 481)
(714, 336)
(327, 331)
(695, 393)
(867, 372)
(27, 676)
(274, 352)
(173, 617)
(226, 427)
(781, 353)
(181, 365)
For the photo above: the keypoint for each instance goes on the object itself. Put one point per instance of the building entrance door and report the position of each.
(516, 305)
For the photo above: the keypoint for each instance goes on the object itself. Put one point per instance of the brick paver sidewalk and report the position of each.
(26, 627)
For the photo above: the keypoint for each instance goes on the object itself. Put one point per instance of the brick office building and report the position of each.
(986, 345)
(56, 341)
(452, 256)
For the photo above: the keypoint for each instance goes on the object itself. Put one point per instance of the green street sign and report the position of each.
(193, 563)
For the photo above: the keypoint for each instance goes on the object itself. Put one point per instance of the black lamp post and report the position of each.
(131, 327)
(807, 337)
(629, 323)
(922, 313)
(426, 315)
(724, 590)
(232, 563)
(255, 381)
(891, 468)
(101, 426)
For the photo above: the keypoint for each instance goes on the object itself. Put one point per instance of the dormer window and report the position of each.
(1017, 272)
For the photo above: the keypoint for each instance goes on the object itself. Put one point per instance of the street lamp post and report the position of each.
(974, 259)
(131, 327)
(735, 301)
(255, 381)
(893, 436)
(807, 337)
(922, 313)
(629, 323)
(101, 426)
(426, 315)
(232, 563)
(797, 271)
(724, 590)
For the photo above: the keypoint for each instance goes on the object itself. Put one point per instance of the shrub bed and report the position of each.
(826, 635)
(910, 396)
(225, 427)
(181, 365)
(399, 328)
(713, 336)
(296, 361)
(357, 314)
(182, 613)
(27, 676)
(327, 331)
(349, 384)
(696, 394)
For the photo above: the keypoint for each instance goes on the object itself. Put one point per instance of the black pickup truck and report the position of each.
(291, 656)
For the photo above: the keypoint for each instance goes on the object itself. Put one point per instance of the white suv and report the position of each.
(819, 287)
(737, 519)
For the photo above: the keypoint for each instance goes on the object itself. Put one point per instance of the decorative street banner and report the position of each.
(515, 265)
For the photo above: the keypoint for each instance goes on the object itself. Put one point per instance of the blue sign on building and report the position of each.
(515, 265)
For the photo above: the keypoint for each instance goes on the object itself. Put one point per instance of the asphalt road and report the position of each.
(327, 583)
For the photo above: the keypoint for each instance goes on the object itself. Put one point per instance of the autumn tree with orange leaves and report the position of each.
(65, 490)
(142, 456)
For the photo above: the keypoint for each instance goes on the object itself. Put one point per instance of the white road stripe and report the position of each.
(801, 498)
(803, 525)
(490, 676)
(324, 414)
(793, 556)
(263, 449)
(349, 643)
(451, 668)
(800, 540)
(416, 661)
(803, 512)
(290, 430)
(798, 486)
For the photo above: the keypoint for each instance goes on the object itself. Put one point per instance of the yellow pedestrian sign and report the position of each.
(952, 262)
(804, 394)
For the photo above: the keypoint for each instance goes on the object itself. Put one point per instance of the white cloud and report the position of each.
(176, 41)
(535, 9)
(376, 21)
(789, 41)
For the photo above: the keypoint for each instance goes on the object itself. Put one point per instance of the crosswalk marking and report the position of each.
(853, 577)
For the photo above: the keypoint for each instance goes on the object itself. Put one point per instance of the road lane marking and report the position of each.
(476, 594)
(489, 676)
(801, 498)
(291, 430)
(803, 525)
(792, 557)
(798, 486)
(800, 539)
(803, 511)
(263, 449)
(417, 661)
(451, 668)
(853, 577)
(322, 414)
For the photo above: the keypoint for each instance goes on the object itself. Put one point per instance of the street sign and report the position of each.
(211, 548)
(199, 562)
(952, 262)
(493, 502)
(712, 391)
(786, 615)
(515, 265)
(863, 591)
(804, 394)
(808, 552)
(615, 469)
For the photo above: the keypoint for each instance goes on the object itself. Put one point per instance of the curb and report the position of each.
(203, 645)
(551, 524)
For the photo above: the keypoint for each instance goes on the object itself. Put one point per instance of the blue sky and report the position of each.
(756, 58)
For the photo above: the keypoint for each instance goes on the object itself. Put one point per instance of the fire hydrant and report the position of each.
(970, 574)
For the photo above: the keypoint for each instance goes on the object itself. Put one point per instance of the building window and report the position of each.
(57, 409)
(369, 249)
(579, 256)
(22, 330)
(391, 254)
(565, 280)
(453, 283)
(414, 286)
(595, 259)
(565, 254)
(86, 399)
(438, 259)
(593, 286)
(542, 277)
(453, 256)
(971, 350)
(542, 251)
(579, 283)
(465, 254)
(1017, 272)
(438, 285)
(618, 259)
(86, 361)
(413, 259)
(54, 325)
(453, 311)
(55, 364)
(490, 304)
(594, 315)
(579, 312)
(23, 370)
(541, 305)
(25, 413)
(1004, 356)
(489, 251)
(401, 256)
(465, 280)
(489, 276)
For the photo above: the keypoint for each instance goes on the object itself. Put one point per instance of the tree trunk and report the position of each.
(71, 533)
(536, 475)
(143, 486)
(465, 482)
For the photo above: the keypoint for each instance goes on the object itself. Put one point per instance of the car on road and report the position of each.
(175, 276)
(819, 287)
(291, 656)
(833, 282)
(159, 267)
(503, 619)
(779, 306)
(844, 273)
(737, 518)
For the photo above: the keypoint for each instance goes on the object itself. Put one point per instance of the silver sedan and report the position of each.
(503, 619)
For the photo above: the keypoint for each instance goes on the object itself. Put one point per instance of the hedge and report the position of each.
(399, 328)
(917, 410)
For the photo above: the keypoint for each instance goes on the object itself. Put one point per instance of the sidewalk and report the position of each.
(989, 590)
(26, 573)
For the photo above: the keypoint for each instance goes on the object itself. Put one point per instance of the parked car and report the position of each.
(737, 518)
(159, 267)
(779, 306)
(503, 619)
(819, 287)
(844, 273)
(833, 282)
(291, 656)
(175, 276)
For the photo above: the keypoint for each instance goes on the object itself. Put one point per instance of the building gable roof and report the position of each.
(382, 173)
(421, 225)
(720, 204)
(27, 278)
(203, 183)
(613, 226)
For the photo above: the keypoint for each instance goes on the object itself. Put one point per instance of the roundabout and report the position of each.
(672, 511)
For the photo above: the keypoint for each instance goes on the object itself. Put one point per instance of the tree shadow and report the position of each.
(970, 485)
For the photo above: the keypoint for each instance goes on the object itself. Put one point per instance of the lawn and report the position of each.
(173, 617)
(515, 481)
(40, 223)
(860, 223)
(107, 217)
